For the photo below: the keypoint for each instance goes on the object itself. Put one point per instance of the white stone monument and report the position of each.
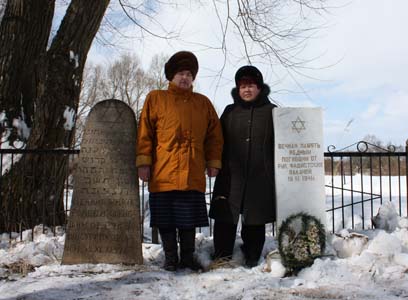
(299, 162)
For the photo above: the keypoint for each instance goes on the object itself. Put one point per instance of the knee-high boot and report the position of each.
(253, 237)
(224, 240)
(169, 242)
(187, 248)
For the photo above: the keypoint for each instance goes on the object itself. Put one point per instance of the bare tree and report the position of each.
(156, 72)
(374, 144)
(41, 80)
(127, 81)
(38, 85)
(279, 28)
(271, 32)
(275, 32)
(124, 79)
(91, 92)
(21, 48)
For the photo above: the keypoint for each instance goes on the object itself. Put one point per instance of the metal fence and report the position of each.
(358, 181)
(32, 163)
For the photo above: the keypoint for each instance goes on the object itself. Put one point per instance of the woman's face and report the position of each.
(183, 79)
(248, 91)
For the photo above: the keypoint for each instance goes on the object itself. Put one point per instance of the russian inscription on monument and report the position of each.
(104, 225)
(299, 162)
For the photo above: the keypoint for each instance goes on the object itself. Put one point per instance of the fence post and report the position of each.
(406, 175)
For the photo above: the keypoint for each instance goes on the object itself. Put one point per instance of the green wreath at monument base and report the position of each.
(301, 239)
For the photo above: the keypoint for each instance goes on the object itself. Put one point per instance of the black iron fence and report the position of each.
(20, 170)
(358, 181)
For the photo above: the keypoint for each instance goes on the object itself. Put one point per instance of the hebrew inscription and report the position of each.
(104, 224)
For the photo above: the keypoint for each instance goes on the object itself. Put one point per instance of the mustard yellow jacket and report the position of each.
(179, 135)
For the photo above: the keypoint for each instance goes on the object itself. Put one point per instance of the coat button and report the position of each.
(248, 139)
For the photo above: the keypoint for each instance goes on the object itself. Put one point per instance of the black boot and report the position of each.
(251, 258)
(169, 242)
(187, 248)
(224, 240)
(253, 237)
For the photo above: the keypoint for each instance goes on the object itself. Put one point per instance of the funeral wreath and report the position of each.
(301, 239)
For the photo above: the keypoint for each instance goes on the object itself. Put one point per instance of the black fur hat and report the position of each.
(250, 72)
(180, 61)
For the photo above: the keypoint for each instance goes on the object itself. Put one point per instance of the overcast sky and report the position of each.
(361, 68)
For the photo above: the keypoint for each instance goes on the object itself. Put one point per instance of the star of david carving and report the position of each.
(298, 125)
(114, 122)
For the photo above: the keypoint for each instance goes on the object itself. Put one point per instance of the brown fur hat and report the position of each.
(180, 61)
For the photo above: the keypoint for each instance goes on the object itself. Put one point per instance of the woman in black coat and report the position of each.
(245, 184)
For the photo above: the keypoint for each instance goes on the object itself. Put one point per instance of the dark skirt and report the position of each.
(180, 209)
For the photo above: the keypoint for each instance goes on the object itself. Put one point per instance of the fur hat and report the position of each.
(249, 72)
(180, 61)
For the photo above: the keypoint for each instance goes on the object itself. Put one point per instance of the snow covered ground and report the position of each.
(360, 264)
(364, 187)
(370, 264)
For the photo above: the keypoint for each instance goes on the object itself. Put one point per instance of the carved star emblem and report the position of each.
(298, 125)
(107, 110)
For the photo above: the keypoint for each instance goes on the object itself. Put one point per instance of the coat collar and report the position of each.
(259, 101)
(174, 89)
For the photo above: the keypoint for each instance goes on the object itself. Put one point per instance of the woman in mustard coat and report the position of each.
(179, 137)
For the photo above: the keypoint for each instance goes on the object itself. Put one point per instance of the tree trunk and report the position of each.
(29, 197)
(61, 74)
(24, 33)
(32, 192)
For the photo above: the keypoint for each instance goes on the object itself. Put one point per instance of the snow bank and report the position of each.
(43, 250)
(369, 264)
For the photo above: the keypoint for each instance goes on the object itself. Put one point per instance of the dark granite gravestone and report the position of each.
(104, 221)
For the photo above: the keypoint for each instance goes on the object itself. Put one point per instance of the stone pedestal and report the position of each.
(104, 220)
(299, 162)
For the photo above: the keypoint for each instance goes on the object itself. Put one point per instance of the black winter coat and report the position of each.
(245, 184)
